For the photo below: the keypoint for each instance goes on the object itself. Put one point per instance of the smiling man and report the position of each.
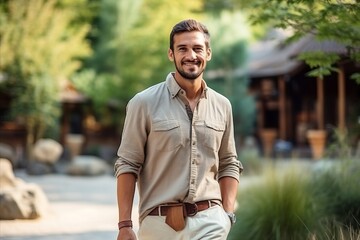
(178, 146)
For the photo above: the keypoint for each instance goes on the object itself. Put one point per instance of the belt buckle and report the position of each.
(191, 209)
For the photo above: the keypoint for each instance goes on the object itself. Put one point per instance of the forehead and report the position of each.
(189, 39)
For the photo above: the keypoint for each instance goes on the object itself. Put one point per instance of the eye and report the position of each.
(181, 49)
(199, 50)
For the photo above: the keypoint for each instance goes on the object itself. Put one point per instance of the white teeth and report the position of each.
(190, 63)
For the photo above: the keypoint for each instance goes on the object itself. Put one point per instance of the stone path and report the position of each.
(80, 208)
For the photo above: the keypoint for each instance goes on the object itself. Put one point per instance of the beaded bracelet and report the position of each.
(125, 223)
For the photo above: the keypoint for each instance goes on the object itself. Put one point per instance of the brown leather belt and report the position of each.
(190, 209)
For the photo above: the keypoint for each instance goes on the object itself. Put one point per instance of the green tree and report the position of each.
(326, 19)
(146, 59)
(229, 35)
(39, 47)
(131, 49)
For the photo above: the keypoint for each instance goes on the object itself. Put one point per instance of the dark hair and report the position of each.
(189, 25)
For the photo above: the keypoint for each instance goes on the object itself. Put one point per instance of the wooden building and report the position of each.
(290, 103)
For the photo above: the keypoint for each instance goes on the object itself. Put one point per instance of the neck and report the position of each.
(192, 87)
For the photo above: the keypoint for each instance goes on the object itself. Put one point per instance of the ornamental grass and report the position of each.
(301, 203)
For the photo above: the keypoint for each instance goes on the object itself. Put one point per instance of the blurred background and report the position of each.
(290, 69)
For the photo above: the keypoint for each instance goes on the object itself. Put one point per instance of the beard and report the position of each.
(188, 75)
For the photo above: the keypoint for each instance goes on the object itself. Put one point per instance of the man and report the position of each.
(178, 145)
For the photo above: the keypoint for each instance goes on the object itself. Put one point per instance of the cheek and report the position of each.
(204, 58)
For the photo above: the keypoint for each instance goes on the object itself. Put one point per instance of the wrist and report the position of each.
(232, 217)
(125, 224)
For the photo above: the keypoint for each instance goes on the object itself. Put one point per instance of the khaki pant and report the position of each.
(212, 223)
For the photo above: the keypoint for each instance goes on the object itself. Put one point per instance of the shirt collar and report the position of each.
(174, 87)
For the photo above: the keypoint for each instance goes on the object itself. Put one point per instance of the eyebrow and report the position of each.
(196, 45)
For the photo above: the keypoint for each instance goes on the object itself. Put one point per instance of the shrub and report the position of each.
(332, 230)
(302, 204)
(340, 193)
(280, 207)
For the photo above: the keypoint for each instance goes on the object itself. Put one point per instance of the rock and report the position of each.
(47, 151)
(7, 177)
(87, 166)
(38, 168)
(26, 201)
(108, 153)
(7, 152)
(19, 200)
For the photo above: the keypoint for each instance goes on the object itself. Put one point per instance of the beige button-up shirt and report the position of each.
(177, 157)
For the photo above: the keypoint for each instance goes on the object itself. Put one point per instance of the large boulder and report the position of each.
(19, 200)
(47, 151)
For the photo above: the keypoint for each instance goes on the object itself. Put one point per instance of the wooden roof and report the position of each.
(274, 56)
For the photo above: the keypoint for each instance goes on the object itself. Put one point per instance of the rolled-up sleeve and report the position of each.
(131, 151)
(229, 165)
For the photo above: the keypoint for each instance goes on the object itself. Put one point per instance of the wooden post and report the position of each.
(65, 126)
(260, 114)
(341, 99)
(320, 103)
(282, 107)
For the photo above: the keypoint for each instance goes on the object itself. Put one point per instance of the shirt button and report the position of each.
(193, 143)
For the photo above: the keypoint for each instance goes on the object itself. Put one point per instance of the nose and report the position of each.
(192, 54)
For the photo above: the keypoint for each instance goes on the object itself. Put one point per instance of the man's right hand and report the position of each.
(126, 233)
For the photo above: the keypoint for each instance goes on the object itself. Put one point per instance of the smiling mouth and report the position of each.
(190, 64)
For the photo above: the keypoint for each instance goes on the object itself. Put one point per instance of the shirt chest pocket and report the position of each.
(166, 135)
(211, 133)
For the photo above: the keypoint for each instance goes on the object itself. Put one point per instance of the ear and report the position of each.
(170, 55)
(209, 54)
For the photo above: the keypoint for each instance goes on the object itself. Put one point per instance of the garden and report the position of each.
(301, 200)
(88, 58)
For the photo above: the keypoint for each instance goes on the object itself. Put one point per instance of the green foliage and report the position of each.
(228, 43)
(116, 19)
(83, 11)
(320, 62)
(102, 86)
(229, 33)
(339, 188)
(280, 207)
(36, 37)
(216, 7)
(38, 48)
(329, 20)
(302, 202)
(356, 77)
(340, 146)
(146, 61)
(132, 44)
